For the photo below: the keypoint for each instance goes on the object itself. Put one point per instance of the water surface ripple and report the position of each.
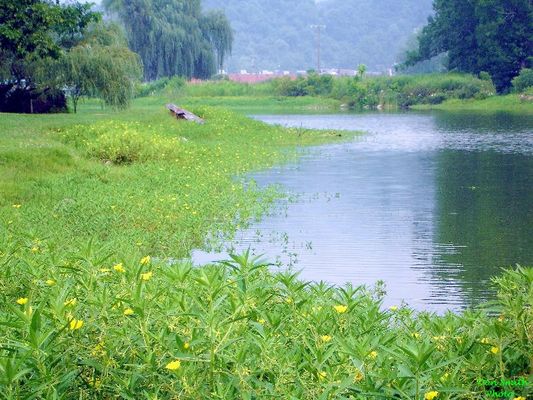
(433, 204)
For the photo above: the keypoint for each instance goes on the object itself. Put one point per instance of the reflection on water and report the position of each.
(433, 204)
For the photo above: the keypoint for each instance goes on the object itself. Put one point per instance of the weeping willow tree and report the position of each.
(174, 37)
(100, 65)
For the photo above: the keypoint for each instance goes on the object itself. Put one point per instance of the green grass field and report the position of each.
(97, 212)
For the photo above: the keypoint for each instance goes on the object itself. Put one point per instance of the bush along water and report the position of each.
(524, 81)
(93, 324)
(388, 92)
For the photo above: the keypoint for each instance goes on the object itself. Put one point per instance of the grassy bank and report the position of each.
(270, 104)
(138, 176)
(508, 103)
(96, 208)
(242, 97)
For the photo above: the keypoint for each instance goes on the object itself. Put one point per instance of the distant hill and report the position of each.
(277, 34)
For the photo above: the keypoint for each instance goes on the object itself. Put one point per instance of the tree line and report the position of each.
(491, 36)
(48, 49)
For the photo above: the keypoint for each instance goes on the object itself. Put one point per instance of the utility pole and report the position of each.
(318, 28)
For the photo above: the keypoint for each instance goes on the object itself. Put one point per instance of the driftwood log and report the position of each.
(181, 113)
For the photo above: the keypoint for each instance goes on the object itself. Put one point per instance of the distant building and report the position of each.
(247, 77)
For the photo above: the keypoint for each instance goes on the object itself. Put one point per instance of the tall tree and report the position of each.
(34, 29)
(174, 37)
(46, 47)
(101, 65)
(495, 36)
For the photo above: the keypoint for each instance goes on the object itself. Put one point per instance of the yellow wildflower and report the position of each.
(445, 377)
(322, 375)
(96, 383)
(501, 318)
(105, 270)
(186, 345)
(373, 355)
(75, 324)
(358, 376)
(288, 300)
(173, 365)
(99, 349)
(34, 249)
(128, 311)
(325, 338)
(147, 276)
(261, 321)
(416, 335)
(22, 300)
(17, 205)
(431, 395)
(145, 260)
(71, 302)
(50, 282)
(393, 308)
(340, 308)
(519, 398)
(494, 350)
(119, 267)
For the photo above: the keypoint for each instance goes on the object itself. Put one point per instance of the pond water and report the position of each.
(433, 204)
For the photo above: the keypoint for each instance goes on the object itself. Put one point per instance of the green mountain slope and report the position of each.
(277, 34)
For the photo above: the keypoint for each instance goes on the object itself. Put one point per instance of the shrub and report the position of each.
(121, 143)
(290, 87)
(523, 81)
(319, 85)
(165, 86)
(150, 88)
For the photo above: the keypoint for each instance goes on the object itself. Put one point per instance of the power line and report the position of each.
(318, 28)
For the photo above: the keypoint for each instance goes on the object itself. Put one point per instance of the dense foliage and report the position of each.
(481, 35)
(523, 81)
(277, 34)
(104, 325)
(47, 47)
(102, 66)
(174, 37)
(32, 31)
(383, 92)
